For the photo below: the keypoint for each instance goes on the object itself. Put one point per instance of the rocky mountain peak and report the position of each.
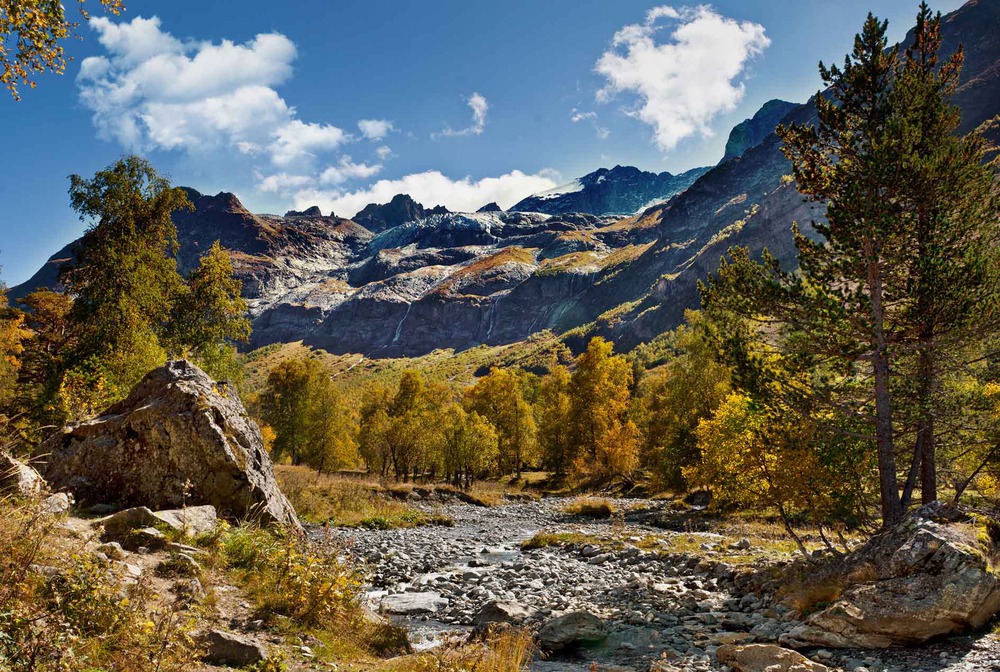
(312, 211)
(490, 207)
(622, 190)
(377, 217)
(751, 132)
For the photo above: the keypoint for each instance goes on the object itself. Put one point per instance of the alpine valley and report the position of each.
(617, 252)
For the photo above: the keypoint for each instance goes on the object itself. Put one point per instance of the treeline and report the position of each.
(121, 309)
(606, 419)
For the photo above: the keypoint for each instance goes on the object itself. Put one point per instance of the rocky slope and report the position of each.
(404, 280)
(751, 132)
(622, 190)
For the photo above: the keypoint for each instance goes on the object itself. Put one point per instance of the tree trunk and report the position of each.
(892, 511)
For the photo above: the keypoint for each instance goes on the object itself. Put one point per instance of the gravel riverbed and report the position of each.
(663, 611)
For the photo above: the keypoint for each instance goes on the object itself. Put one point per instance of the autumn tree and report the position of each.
(553, 412)
(682, 393)
(468, 445)
(400, 431)
(756, 457)
(210, 315)
(499, 398)
(311, 423)
(605, 440)
(32, 33)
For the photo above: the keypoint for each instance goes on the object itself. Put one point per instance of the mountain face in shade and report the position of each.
(622, 190)
(401, 280)
(401, 209)
(753, 131)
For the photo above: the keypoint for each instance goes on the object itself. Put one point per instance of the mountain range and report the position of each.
(617, 252)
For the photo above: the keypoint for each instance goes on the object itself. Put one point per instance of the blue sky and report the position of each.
(456, 101)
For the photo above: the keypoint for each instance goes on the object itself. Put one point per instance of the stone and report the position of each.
(18, 478)
(410, 604)
(227, 648)
(501, 612)
(112, 550)
(572, 629)
(192, 521)
(765, 658)
(57, 504)
(932, 575)
(178, 439)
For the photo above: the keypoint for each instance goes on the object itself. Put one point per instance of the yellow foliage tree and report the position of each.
(754, 457)
(604, 442)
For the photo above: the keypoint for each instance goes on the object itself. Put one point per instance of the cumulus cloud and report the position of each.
(479, 106)
(433, 188)
(154, 91)
(684, 82)
(375, 129)
(384, 152)
(348, 170)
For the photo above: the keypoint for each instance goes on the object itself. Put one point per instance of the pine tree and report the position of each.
(952, 212)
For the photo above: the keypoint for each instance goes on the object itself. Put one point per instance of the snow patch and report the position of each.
(569, 188)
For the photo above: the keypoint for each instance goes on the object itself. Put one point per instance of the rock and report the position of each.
(191, 521)
(931, 575)
(113, 550)
(178, 565)
(149, 538)
(765, 658)
(178, 439)
(568, 630)
(501, 612)
(227, 648)
(57, 504)
(18, 478)
(409, 604)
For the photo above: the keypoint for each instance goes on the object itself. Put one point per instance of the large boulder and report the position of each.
(570, 630)
(179, 439)
(765, 658)
(932, 575)
(17, 478)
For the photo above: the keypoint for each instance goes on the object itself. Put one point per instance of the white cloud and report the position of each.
(683, 83)
(348, 170)
(479, 106)
(296, 140)
(433, 188)
(153, 91)
(283, 182)
(384, 152)
(576, 116)
(375, 129)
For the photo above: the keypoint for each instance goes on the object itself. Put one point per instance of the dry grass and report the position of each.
(61, 604)
(510, 650)
(591, 507)
(347, 501)
(546, 539)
